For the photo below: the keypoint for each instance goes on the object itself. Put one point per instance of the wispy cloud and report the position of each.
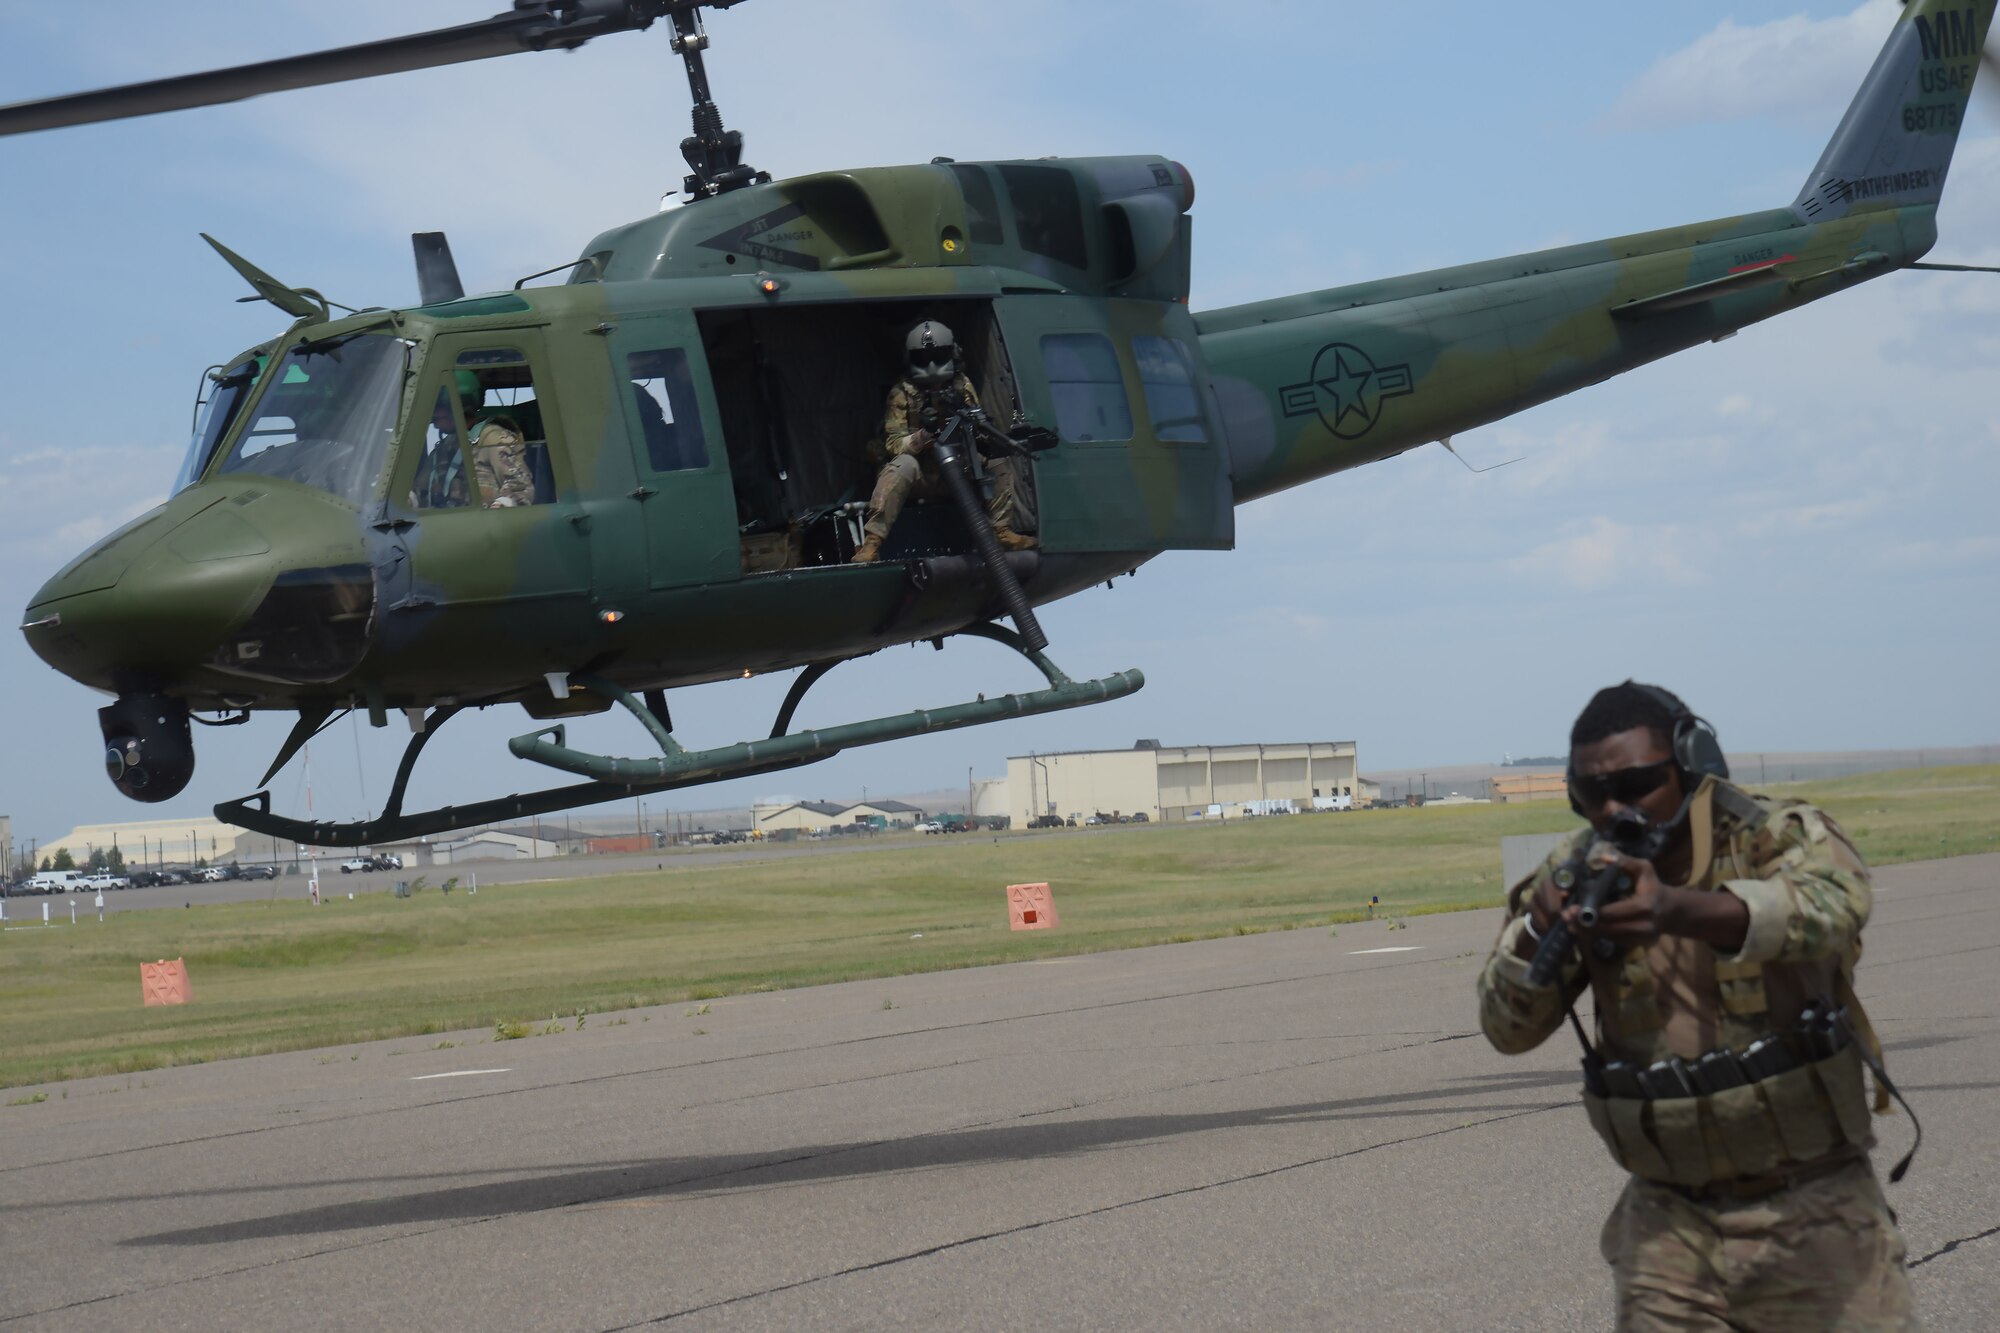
(1794, 68)
(1607, 552)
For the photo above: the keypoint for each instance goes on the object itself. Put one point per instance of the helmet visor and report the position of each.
(931, 358)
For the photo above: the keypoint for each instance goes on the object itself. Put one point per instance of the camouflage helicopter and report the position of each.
(696, 402)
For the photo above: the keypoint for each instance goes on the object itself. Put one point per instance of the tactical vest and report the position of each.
(1815, 1112)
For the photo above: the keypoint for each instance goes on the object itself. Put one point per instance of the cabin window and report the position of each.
(1166, 374)
(663, 389)
(507, 443)
(1047, 213)
(1087, 387)
(982, 208)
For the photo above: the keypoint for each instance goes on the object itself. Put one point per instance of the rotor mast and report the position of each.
(714, 155)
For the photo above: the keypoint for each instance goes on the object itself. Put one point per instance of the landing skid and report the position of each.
(675, 766)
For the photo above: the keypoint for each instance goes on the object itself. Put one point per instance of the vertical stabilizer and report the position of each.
(1894, 144)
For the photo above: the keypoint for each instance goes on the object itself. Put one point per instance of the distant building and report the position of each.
(1515, 788)
(484, 845)
(1178, 782)
(896, 814)
(172, 842)
(804, 816)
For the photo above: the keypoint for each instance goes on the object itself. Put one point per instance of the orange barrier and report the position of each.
(1031, 907)
(165, 982)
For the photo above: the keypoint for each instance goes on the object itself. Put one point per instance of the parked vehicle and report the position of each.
(55, 881)
(354, 864)
(259, 872)
(932, 826)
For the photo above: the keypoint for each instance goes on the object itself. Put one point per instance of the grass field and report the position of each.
(284, 976)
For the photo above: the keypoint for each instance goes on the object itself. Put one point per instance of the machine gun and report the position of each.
(941, 408)
(957, 427)
(1592, 888)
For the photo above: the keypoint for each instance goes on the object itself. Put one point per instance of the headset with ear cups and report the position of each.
(1697, 750)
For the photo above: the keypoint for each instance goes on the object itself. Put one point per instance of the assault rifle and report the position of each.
(1592, 888)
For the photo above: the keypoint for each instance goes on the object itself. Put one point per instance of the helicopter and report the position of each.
(300, 568)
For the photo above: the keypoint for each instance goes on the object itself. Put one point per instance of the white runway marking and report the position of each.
(1394, 948)
(459, 1073)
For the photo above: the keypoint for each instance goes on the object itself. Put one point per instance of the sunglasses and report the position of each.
(1623, 785)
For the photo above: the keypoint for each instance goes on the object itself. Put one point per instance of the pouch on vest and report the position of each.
(1842, 1085)
(1627, 1140)
(1745, 1130)
(1676, 1124)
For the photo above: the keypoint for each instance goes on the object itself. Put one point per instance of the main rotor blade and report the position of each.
(539, 26)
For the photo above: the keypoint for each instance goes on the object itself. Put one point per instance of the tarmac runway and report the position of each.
(1292, 1130)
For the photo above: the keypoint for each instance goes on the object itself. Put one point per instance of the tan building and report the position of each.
(1178, 782)
(801, 816)
(171, 842)
(896, 814)
(485, 845)
(1514, 788)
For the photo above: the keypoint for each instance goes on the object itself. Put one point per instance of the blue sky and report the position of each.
(1794, 528)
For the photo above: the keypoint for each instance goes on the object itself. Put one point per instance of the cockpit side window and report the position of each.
(506, 438)
(223, 393)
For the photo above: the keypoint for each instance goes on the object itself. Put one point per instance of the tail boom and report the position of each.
(1315, 384)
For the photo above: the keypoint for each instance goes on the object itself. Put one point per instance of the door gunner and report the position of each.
(931, 388)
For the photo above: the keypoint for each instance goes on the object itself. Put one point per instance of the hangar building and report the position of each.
(1177, 782)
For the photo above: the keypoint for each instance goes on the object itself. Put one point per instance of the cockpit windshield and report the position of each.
(328, 416)
(222, 393)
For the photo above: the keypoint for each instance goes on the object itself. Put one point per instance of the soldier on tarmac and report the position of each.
(1727, 1075)
(932, 381)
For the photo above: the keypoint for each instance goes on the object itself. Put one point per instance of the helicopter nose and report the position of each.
(150, 602)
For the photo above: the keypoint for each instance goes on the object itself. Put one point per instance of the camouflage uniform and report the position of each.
(907, 474)
(1738, 1214)
(500, 462)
